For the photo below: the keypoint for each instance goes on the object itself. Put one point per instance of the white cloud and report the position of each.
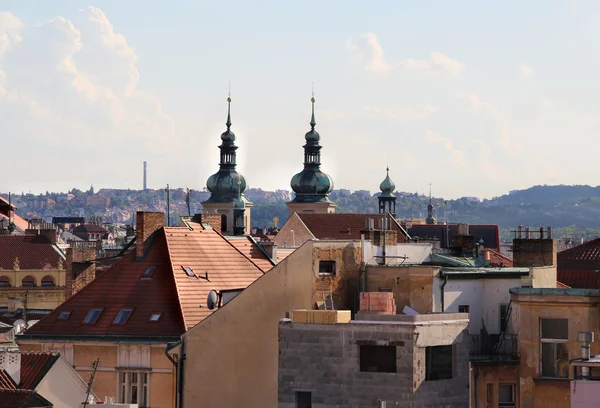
(370, 52)
(77, 82)
(455, 154)
(526, 70)
(401, 113)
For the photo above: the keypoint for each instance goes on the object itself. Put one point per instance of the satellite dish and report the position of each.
(19, 326)
(31, 323)
(213, 299)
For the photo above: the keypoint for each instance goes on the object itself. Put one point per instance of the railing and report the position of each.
(489, 348)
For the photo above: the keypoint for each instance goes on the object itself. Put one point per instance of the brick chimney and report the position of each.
(78, 263)
(214, 220)
(534, 248)
(463, 241)
(146, 224)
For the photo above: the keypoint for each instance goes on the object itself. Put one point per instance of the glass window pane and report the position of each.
(555, 329)
(548, 360)
(562, 360)
(506, 393)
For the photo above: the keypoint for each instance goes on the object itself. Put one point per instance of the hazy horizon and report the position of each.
(476, 98)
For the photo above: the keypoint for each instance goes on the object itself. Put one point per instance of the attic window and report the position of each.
(122, 316)
(326, 267)
(155, 317)
(4, 281)
(147, 275)
(64, 315)
(189, 272)
(92, 316)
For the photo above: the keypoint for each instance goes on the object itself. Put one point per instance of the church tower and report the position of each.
(430, 218)
(311, 186)
(227, 188)
(387, 199)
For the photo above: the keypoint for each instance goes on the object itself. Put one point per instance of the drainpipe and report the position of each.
(444, 285)
(476, 376)
(180, 374)
(177, 368)
(362, 284)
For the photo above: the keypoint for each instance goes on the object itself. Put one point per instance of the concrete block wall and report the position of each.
(325, 360)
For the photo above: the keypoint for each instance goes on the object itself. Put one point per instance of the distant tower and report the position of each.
(387, 199)
(311, 185)
(227, 187)
(430, 219)
(145, 185)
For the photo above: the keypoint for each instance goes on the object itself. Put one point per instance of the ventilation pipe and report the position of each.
(585, 338)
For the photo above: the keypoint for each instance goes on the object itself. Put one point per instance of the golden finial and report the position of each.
(229, 99)
(313, 93)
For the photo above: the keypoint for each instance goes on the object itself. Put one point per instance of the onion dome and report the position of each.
(387, 186)
(311, 184)
(227, 184)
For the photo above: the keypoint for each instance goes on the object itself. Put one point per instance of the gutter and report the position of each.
(99, 338)
(178, 387)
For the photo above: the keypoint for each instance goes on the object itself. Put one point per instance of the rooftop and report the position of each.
(34, 367)
(555, 291)
(33, 252)
(588, 251)
(579, 278)
(344, 226)
(23, 399)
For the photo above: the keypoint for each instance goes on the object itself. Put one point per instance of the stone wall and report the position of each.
(325, 360)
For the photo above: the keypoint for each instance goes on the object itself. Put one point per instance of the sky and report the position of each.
(476, 98)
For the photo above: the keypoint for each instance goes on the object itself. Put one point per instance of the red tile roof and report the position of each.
(341, 226)
(580, 279)
(561, 285)
(33, 251)
(6, 381)
(250, 249)
(205, 251)
(34, 367)
(497, 259)
(169, 291)
(588, 251)
(23, 399)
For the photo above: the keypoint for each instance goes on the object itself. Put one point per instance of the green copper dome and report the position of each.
(387, 186)
(311, 185)
(227, 184)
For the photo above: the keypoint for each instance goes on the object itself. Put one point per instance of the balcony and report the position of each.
(494, 349)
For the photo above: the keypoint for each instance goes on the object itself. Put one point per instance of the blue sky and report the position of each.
(477, 98)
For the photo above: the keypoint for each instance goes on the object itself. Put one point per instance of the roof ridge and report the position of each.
(164, 229)
(240, 252)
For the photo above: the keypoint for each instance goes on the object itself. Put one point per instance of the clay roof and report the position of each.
(497, 259)
(561, 285)
(34, 367)
(6, 381)
(580, 278)
(33, 251)
(205, 251)
(23, 399)
(344, 226)
(444, 233)
(90, 228)
(169, 290)
(252, 251)
(588, 251)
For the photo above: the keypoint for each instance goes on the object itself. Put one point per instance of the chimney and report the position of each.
(270, 248)
(10, 361)
(14, 304)
(585, 338)
(533, 251)
(78, 263)
(213, 220)
(146, 224)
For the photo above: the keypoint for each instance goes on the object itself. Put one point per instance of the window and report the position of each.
(147, 275)
(506, 395)
(438, 360)
(92, 316)
(463, 308)
(48, 281)
(133, 388)
(223, 223)
(303, 399)
(122, 316)
(154, 317)
(189, 272)
(64, 315)
(326, 267)
(385, 289)
(554, 355)
(503, 317)
(28, 281)
(4, 282)
(378, 359)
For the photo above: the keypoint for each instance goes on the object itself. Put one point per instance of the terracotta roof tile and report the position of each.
(120, 287)
(251, 251)
(34, 366)
(6, 381)
(444, 233)
(561, 285)
(343, 226)
(497, 259)
(23, 399)
(588, 251)
(33, 251)
(580, 279)
(205, 251)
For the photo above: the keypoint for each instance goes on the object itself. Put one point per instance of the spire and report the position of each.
(429, 193)
(312, 100)
(228, 123)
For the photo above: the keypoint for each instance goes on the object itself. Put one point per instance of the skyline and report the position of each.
(453, 102)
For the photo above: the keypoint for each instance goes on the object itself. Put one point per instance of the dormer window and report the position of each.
(123, 316)
(92, 316)
(147, 275)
